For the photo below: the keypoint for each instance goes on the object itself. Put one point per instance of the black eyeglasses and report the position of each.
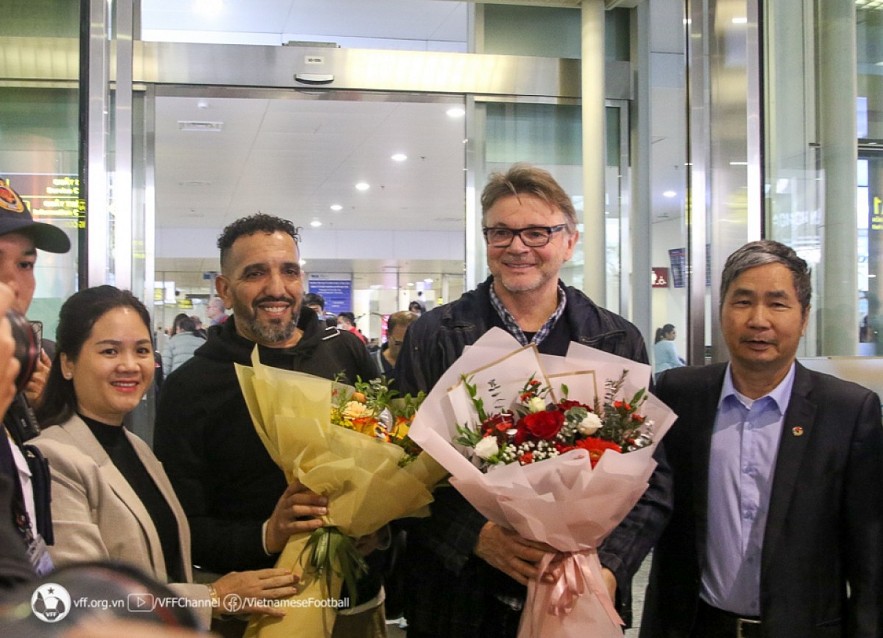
(531, 236)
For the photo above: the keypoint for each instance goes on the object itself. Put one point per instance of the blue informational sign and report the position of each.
(338, 293)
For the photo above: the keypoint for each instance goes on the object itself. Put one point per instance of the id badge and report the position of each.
(38, 554)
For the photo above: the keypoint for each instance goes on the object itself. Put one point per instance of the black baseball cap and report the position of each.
(15, 217)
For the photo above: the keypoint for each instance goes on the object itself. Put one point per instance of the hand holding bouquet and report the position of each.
(293, 415)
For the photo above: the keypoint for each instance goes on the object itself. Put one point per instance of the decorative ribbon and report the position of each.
(577, 574)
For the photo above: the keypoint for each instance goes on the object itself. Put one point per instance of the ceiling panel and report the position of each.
(298, 157)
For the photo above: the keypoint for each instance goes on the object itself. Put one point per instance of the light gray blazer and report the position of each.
(97, 515)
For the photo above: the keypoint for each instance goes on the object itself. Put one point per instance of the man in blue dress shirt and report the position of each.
(777, 528)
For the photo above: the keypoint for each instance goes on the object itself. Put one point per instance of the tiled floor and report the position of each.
(639, 586)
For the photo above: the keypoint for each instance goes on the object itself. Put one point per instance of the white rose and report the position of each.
(536, 404)
(589, 425)
(487, 447)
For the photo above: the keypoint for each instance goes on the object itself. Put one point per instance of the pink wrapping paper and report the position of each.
(563, 502)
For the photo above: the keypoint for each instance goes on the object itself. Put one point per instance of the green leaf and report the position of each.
(329, 551)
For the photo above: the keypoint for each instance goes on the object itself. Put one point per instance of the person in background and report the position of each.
(396, 326)
(347, 321)
(198, 329)
(316, 302)
(216, 311)
(416, 307)
(181, 345)
(111, 498)
(665, 354)
(777, 529)
(240, 507)
(20, 237)
(467, 575)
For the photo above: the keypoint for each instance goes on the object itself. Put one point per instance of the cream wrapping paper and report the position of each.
(563, 501)
(361, 476)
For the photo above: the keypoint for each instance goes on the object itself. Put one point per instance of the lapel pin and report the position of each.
(797, 430)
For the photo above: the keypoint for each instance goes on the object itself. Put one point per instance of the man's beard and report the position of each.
(268, 334)
(276, 332)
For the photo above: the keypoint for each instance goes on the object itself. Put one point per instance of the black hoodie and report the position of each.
(221, 472)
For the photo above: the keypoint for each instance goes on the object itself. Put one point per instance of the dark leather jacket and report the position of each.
(448, 586)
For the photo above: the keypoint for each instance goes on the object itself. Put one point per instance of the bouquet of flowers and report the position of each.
(558, 449)
(373, 408)
(293, 414)
(534, 430)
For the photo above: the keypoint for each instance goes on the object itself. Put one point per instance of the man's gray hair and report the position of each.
(767, 251)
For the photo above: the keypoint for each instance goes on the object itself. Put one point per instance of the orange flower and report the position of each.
(596, 447)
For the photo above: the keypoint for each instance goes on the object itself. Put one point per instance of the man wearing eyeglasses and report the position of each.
(467, 575)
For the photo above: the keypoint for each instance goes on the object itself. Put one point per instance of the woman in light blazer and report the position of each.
(111, 498)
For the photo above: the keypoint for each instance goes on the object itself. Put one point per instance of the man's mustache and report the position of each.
(287, 300)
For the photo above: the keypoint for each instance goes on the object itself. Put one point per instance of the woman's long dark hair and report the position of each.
(661, 332)
(75, 322)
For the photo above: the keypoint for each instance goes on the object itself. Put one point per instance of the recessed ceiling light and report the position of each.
(399, 157)
(456, 111)
(315, 223)
(411, 283)
(193, 125)
(669, 194)
(740, 20)
(363, 186)
(336, 207)
(428, 280)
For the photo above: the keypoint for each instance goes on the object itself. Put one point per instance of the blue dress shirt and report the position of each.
(744, 445)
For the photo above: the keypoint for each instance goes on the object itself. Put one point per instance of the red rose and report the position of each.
(565, 404)
(521, 433)
(544, 425)
(596, 447)
(526, 458)
(498, 423)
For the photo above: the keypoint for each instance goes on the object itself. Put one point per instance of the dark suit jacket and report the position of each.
(824, 529)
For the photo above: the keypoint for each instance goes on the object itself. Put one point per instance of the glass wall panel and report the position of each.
(821, 195)
(869, 57)
(414, 25)
(548, 136)
(39, 150)
(665, 78)
(40, 18)
(793, 177)
(39, 158)
(869, 194)
(543, 31)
